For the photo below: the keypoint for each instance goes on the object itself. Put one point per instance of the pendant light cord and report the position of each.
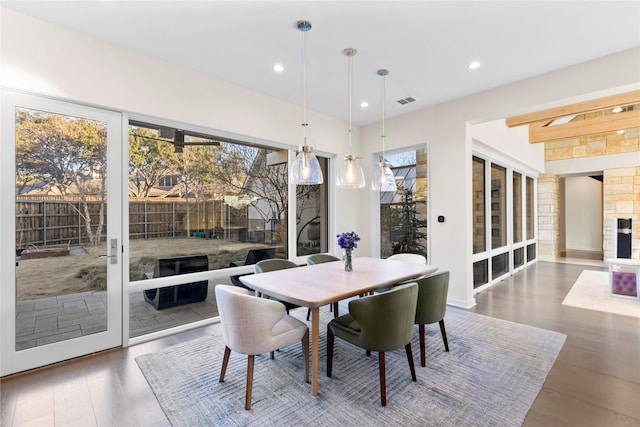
(304, 30)
(350, 83)
(384, 91)
(383, 73)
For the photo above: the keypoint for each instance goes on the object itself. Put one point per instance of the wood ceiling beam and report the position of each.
(622, 99)
(538, 132)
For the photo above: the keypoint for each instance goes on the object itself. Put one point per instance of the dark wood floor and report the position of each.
(595, 380)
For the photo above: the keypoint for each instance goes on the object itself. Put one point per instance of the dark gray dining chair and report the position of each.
(274, 264)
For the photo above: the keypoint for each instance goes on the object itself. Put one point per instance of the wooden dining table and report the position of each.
(316, 285)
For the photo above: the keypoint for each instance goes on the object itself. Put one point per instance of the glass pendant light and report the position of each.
(383, 178)
(306, 168)
(350, 175)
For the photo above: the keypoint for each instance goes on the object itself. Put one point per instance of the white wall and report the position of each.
(583, 213)
(55, 62)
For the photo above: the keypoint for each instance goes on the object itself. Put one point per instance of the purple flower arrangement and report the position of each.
(348, 239)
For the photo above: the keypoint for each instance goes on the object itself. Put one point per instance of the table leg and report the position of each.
(315, 338)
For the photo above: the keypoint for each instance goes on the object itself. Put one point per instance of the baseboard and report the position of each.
(583, 254)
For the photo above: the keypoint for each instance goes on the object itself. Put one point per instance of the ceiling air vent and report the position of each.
(406, 100)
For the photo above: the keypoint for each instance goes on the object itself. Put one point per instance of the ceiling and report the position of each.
(426, 45)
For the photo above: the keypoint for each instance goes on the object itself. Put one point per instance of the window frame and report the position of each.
(488, 255)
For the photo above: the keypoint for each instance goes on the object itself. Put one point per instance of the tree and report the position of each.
(64, 155)
(150, 159)
(403, 226)
(243, 170)
(195, 173)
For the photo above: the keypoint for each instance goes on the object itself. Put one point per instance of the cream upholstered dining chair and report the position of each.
(253, 325)
(431, 307)
(381, 323)
(406, 257)
(319, 259)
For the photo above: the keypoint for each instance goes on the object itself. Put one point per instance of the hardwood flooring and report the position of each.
(595, 380)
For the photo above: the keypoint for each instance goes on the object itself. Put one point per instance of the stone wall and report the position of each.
(621, 199)
(595, 145)
(621, 189)
(548, 217)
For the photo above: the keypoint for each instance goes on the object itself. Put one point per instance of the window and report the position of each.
(499, 265)
(192, 194)
(479, 235)
(531, 252)
(480, 273)
(61, 225)
(498, 206)
(517, 207)
(403, 214)
(311, 216)
(518, 257)
(530, 218)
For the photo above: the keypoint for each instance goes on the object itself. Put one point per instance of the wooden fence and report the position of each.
(60, 220)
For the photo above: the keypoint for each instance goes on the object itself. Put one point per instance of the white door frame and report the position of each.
(12, 361)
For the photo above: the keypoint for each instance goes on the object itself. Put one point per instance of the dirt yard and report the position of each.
(83, 270)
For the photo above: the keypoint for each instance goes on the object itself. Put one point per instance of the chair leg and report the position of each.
(225, 361)
(247, 402)
(305, 353)
(383, 379)
(330, 341)
(272, 355)
(335, 310)
(423, 357)
(410, 360)
(308, 314)
(444, 335)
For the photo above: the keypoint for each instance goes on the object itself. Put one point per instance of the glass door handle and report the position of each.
(114, 252)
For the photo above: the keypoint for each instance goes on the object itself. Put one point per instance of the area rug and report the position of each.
(592, 291)
(490, 377)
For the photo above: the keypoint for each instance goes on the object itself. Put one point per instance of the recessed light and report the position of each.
(620, 132)
(616, 110)
(474, 65)
(278, 68)
(364, 104)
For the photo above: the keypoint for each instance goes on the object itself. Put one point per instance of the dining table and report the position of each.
(314, 286)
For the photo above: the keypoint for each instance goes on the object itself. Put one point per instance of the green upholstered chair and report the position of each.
(381, 322)
(273, 264)
(319, 259)
(252, 326)
(432, 306)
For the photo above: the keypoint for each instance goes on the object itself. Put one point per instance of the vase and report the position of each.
(347, 258)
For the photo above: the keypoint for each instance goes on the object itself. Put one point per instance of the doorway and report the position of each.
(581, 225)
(62, 287)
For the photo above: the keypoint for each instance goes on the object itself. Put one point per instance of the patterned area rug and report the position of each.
(490, 377)
(592, 291)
